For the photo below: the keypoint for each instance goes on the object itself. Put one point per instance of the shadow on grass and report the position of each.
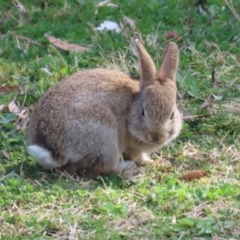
(25, 170)
(31, 171)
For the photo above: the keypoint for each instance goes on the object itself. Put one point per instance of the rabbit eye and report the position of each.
(172, 116)
(143, 113)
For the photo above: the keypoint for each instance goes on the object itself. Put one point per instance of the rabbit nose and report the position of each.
(153, 137)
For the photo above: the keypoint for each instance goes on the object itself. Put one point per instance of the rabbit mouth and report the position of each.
(150, 138)
(155, 139)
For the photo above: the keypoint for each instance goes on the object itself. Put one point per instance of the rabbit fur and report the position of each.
(87, 120)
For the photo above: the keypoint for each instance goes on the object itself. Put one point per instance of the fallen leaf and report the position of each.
(8, 89)
(14, 113)
(6, 154)
(209, 102)
(13, 108)
(173, 35)
(23, 114)
(64, 45)
(193, 175)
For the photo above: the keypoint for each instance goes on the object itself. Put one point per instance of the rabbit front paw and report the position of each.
(143, 159)
(127, 169)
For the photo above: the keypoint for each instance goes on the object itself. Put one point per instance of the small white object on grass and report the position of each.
(109, 26)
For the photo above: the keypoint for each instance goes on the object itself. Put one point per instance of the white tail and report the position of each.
(43, 156)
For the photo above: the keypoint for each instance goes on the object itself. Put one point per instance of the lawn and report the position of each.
(156, 204)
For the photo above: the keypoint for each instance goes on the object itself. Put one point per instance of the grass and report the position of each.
(38, 204)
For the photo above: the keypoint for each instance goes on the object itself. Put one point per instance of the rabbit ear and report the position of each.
(147, 67)
(169, 65)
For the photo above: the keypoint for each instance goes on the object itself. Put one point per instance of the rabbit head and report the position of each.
(154, 117)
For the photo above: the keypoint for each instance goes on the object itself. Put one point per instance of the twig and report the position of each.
(194, 116)
(6, 176)
(24, 100)
(233, 10)
(18, 92)
(215, 81)
(29, 40)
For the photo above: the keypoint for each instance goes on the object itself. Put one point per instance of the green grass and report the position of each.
(38, 204)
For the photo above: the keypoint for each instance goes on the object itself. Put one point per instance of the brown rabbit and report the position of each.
(86, 121)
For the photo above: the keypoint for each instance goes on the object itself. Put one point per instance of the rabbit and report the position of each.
(88, 120)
